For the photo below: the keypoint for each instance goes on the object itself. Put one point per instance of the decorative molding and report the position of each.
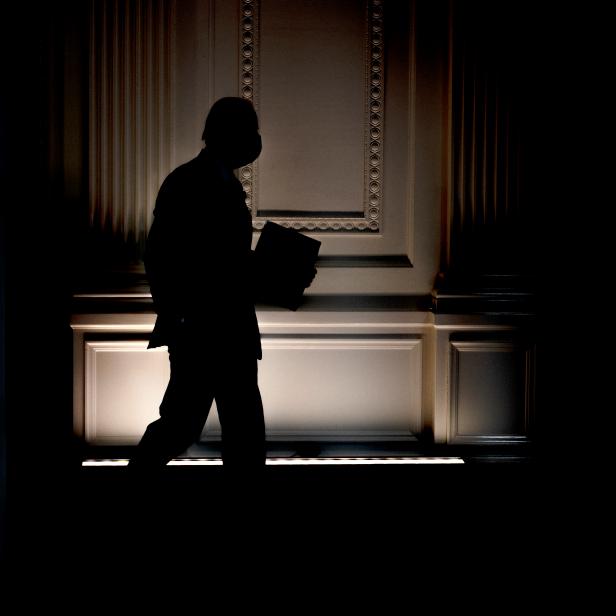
(486, 346)
(248, 86)
(375, 115)
(370, 220)
(249, 48)
(90, 394)
(131, 144)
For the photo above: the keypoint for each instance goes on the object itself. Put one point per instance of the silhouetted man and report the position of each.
(200, 266)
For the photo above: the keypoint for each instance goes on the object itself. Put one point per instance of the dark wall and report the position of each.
(37, 341)
(3, 453)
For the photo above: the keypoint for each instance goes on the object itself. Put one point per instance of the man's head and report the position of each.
(232, 131)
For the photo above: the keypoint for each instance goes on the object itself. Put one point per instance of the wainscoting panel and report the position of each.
(329, 375)
(313, 387)
(491, 391)
(340, 388)
(124, 384)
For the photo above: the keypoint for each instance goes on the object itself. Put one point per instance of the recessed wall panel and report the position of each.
(311, 388)
(491, 391)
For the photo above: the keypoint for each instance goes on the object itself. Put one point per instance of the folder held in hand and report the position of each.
(286, 259)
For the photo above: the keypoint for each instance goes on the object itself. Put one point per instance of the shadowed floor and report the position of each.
(389, 535)
(99, 517)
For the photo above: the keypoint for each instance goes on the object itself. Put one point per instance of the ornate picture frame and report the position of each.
(369, 218)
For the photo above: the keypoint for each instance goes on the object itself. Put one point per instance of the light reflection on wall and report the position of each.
(131, 110)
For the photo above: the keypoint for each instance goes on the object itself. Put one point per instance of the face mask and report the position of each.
(249, 152)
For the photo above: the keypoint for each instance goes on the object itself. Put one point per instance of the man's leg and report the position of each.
(183, 410)
(240, 411)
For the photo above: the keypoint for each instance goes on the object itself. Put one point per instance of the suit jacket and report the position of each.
(199, 262)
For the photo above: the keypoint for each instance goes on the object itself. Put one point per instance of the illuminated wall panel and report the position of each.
(312, 387)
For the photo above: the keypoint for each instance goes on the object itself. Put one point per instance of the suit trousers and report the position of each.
(199, 375)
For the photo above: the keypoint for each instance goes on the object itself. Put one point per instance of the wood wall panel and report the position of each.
(491, 389)
(339, 388)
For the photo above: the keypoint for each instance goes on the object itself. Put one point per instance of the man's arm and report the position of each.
(162, 257)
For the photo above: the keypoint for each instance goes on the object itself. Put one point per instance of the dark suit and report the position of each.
(200, 267)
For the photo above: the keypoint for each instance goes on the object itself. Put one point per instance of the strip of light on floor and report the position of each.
(299, 461)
